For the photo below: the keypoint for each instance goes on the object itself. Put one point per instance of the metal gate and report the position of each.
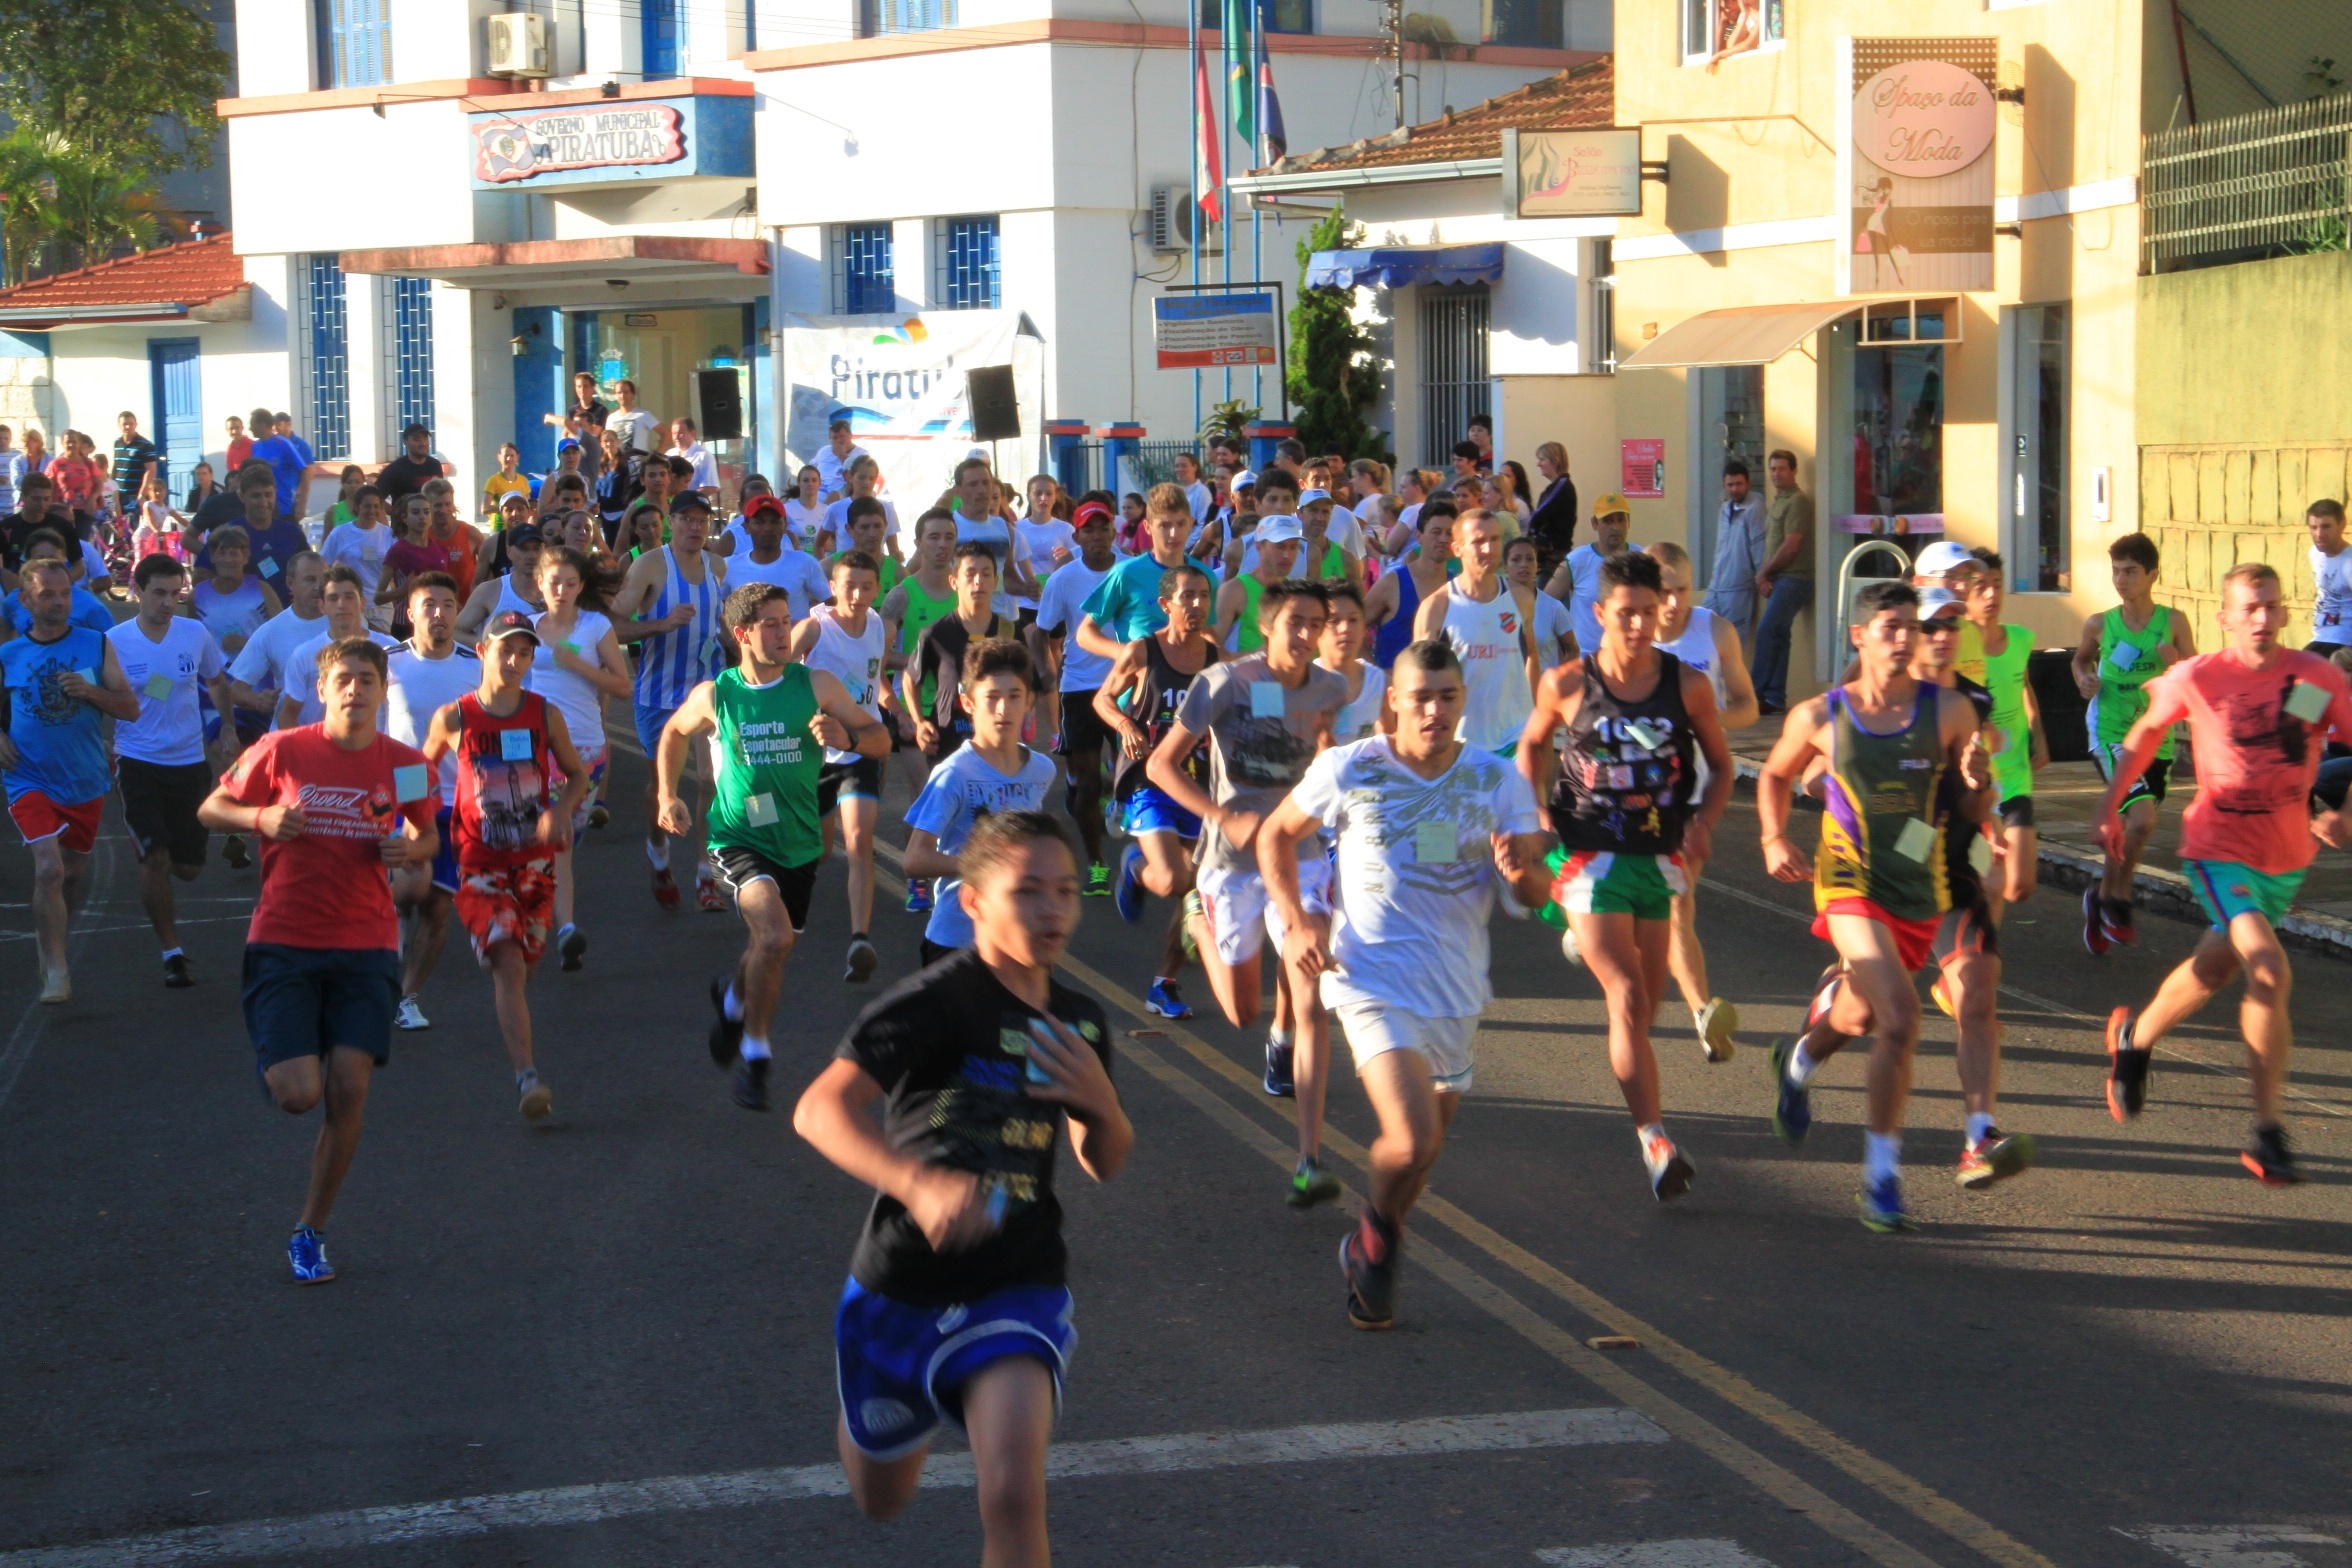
(1454, 384)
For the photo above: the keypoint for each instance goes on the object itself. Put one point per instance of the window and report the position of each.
(864, 280)
(877, 17)
(354, 42)
(2037, 552)
(325, 361)
(1601, 341)
(411, 358)
(658, 22)
(1527, 24)
(1898, 450)
(1454, 384)
(1274, 16)
(968, 271)
(1715, 29)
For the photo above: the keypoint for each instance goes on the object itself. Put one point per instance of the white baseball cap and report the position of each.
(1307, 496)
(1933, 602)
(1278, 527)
(1943, 556)
(1245, 477)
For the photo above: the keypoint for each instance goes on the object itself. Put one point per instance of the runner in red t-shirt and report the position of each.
(506, 829)
(333, 805)
(2259, 717)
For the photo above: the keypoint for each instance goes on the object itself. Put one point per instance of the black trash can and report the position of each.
(2065, 714)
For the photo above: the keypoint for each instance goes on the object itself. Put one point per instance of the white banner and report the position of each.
(899, 381)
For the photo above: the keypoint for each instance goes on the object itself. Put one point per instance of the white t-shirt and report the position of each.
(1199, 497)
(261, 663)
(794, 571)
(1039, 541)
(706, 468)
(1416, 878)
(837, 519)
(362, 549)
(1553, 623)
(856, 662)
(168, 731)
(581, 704)
(959, 789)
(2331, 617)
(1584, 569)
(802, 524)
(301, 675)
(639, 431)
(1362, 716)
(1059, 609)
(421, 687)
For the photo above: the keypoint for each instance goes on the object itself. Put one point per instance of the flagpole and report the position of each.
(1225, 148)
(1258, 127)
(1192, 212)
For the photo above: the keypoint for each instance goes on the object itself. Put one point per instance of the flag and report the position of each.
(1274, 142)
(1208, 173)
(1239, 94)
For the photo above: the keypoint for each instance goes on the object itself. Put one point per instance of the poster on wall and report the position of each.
(1915, 160)
(899, 381)
(1642, 462)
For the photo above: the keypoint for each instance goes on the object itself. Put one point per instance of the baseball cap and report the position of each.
(1089, 511)
(1278, 527)
(414, 428)
(1943, 556)
(1306, 496)
(524, 533)
(690, 501)
(1247, 476)
(1933, 602)
(567, 444)
(1611, 504)
(514, 623)
(763, 503)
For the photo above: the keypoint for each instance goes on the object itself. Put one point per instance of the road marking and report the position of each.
(2225, 1546)
(36, 1016)
(1707, 1553)
(357, 1529)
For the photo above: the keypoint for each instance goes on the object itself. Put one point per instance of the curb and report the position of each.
(2160, 892)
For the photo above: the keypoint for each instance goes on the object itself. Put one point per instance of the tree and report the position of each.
(129, 81)
(1332, 377)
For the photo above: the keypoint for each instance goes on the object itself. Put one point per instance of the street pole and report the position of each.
(1192, 214)
(1257, 251)
(1396, 55)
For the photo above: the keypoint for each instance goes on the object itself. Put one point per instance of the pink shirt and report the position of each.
(2255, 761)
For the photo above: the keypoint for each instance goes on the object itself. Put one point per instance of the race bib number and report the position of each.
(514, 745)
(157, 688)
(1267, 700)
(2125, 655)
(411, 783)
(1916, 842)
(760, 810)
(1436, 844)
(88, 675)
(2308, 702)
(269, 568)
(1980, 854)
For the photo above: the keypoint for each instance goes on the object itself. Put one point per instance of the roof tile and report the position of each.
(1581, 95)
(192, 274)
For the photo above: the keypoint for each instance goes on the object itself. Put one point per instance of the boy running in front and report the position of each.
(948, 1097)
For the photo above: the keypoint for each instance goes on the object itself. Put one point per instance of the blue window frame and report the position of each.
(412, 351)
(877, 17)
(330, 355)
(659, 20)
(968, 272)
(867, 273)
(354, 42)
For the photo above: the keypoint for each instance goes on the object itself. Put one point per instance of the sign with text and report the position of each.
(1642, 463)
(618, 141)
(1916, 164)
(1199, 331)
(1578, 174)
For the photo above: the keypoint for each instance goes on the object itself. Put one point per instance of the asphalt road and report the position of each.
(2133, 1355)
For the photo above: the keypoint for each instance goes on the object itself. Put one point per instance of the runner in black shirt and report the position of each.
(939, 653)
(406, 474)
(957, 1306)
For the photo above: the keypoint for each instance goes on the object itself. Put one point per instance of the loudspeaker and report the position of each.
(722, 404)
(996, 413)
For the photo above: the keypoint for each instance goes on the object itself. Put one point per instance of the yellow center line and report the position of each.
(1776, 1481)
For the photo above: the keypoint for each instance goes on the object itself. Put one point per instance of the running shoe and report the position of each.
(665, 888)
(1186, 937)
(1825, 992)
(1278, 1078)
(1942, 996)
(176, 974)
(532, 1097)
(1996, 1157)
(1881, 1206)
(1368, 1262)
(2269, 1160)
(2095, 937)
(726, 1034)
(751, 1083)
(918, 899)
(2117, 915)
(1311, 1184)
(1163, 1001)
(863, 961)
(708, 894)
(2127, 1068)
(1568, 948)
(1718, 1022)
(1098, 881)
(307, 1251)
(572, 944)
(57, 987)
(597, 816)
(234, 853)
(1671, 1175)
(410, 1016)
(1792, 1110)
(1129, 891)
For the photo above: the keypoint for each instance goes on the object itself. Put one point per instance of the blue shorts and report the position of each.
(1149, 810)
(305, 1001)
(649, 727)
(902, 1369)
(445, 876)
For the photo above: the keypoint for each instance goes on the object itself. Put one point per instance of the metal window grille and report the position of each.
(354, 42)
(658, 23)
(968, 271)
(412, 351)
(327, 355)
(864, 271)
(1454, 384)
(877, 17)
(2266, 183)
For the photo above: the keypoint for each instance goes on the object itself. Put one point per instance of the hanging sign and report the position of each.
(1916, 165)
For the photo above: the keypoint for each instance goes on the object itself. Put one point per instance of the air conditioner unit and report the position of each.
(1170, 222)
(518, 45)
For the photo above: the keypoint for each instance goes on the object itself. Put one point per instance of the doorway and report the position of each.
(176, 394)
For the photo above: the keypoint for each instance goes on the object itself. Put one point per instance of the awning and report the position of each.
(638, 258)
(1396, 266)
(1749, 335)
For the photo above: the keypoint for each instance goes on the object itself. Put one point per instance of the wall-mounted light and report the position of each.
(610, 89)
(2015, 95)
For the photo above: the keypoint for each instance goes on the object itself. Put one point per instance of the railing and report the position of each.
(1155, 463)
(2268, 183)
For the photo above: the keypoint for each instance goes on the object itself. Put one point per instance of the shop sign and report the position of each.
(612, 141)
(1642, 464)
(1915, 160)
(1196, 332)
(1573, 174)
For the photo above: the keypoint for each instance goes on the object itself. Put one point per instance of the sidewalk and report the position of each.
(2065, 795)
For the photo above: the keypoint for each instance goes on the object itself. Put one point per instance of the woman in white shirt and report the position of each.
(578, 665)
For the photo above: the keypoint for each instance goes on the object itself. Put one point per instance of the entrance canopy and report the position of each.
(1760, 334)
(1399, 266)
(637, 259)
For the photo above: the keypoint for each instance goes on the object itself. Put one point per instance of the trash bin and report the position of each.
(2065, 715)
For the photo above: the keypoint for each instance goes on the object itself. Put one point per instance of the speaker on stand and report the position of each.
(996, 412)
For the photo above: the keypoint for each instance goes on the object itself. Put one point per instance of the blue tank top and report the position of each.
(59, 750)
(671, 664)
(1396, 633)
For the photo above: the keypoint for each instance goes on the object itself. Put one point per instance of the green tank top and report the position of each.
(921, 611)
(1334, 565)
(2127, 663)
(1880, 836)
(766, 761)
(2011, 742)
(1247, 635)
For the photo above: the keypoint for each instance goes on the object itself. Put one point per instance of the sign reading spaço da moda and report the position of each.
(1915, 160)
(1592, 173)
